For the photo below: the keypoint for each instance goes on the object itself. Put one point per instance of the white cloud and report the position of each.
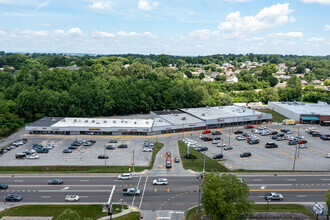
(102, 34)
(327, 2)
(75, 31)
(59, 32)
(32, 33)
(145, 5)
(238, 0)
(134, 34)
(327, 27)
(273, 16)
(287, 35)
(2, 32)
(41, 5)
(315, 39)
(203, 33)
(100, 6)
(191, 13)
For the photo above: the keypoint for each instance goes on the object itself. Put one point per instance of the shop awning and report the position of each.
(310, 118)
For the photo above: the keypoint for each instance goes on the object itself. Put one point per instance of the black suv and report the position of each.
(202, 149)
(238, 132)
(103, 157)
(122, 146)
(216, 132)
(218, 156)
(271, 145)
(13, 198)
(246, 154)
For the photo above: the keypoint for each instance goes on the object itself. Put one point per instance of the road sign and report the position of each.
(318, 209)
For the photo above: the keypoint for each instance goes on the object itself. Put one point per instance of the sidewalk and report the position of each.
(125, 212)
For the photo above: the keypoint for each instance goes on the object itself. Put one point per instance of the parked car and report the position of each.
(303, 146)
(299, 136)
(93, 141)
(279, 139)
(274, 137)
(208, 139)
(273, 196)
(71, 198)
(76, 143)
(67, 151)
(271, 145)
(206, 132)
(147, 149)
(325, 138)
(218, 156)
(88, 143)
(221, 145)
(13, 198)
(176, 160)
(55, 182)
(262, 128)
(280, 134)
(241, 138)
(228, 147)
(113, 141)
(122, 146)
(102, 157)
(3, 186)
(238, 132)
(73, 148)
(292, 143)
(273, 133)
(125, 176)
(29, 152)
(43, 150)
(255, 131)
(217, 138)
(216, 132)
(33, 156)
(248, 126)
(253, 141)
(49, 146)
(246, 154)
(160, 181)
(316, 134)
(110, 147)
(284, 130)
(302, 141)
(215, 141)
(202, 149)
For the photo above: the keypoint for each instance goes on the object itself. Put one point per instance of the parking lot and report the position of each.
(281, 158)
(83, 156)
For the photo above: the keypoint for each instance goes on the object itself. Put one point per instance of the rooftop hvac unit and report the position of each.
(254, 112)
(93, 121)
(147, 122)
(183, 118)
(75, 120)
(203, 114)
(63, 120)
(97, 122)
(86, 121)
(207, 106)
(126, 122)
(104, 121)
(160, 120)
(114, 122)
(135, 122)
(53, 119)
(175, 114)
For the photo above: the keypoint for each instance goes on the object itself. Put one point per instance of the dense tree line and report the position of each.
(103, 86)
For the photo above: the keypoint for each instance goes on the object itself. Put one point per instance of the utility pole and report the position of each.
(229, 139)
(122, 194)
(133, 162)
(294, 161)
(105, 159)
(204, 165)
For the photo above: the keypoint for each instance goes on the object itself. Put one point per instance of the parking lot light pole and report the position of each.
(133, 162)
(105, 159)
(294, 161)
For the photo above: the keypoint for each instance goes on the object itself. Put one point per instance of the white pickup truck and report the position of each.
(71, 198)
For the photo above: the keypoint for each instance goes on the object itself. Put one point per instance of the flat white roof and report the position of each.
(305, 108)
(103, 122)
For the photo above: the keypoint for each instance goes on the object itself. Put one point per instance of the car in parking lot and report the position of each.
(255, 131)
(33, 156)
(302, 141)
(208, 139)
(325, 137)
(76, 143)
(215, 141)
(216, 132)
(221, 145)
(253, 141)
(88, 143)
(43, 150)
(71, 198)
(13, 198)
(279, 139)
(206, 132)
(303, 146)
(113, 141)
(262, 128)
(49, 146)
(29, 152)
(241, 138)
(271, 145)
(160, 181)
(246, 154)
(299, 136)
(218, 156)
(273, 132)
(273, 196)
(110, 147)
(3, 186)
(217, 138)
(248, 126)
(55, 182)
(316, 134)
(147, 149)
(238, 132)
(176, 160)
(202, 149)
(102, 157)
(229, 147)
(122, 146)
(73, 148)
(67, 151)
(274, 137)
(327, 155)
(292, 143)
(125, 176)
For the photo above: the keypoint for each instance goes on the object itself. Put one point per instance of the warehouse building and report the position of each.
(303, 113)
(159, 122)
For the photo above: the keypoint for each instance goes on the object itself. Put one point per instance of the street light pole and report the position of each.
(105, 159)
(133, 162)
(294, 161)
(268, 200)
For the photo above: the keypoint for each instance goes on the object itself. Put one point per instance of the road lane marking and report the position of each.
(84, 180)
(61, 191)
(18, 181)
(136, 188)
(290, 179)
(55, 185)
(155, 189)
(325, 179)
(110, 197)
(144, 189)
(163, 217)
(301, 196)
(257, 179)
(44, 197)
(83, 196)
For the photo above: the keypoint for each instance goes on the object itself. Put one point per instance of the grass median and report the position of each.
(82, 169)
(130, 216)
(292, 208)
(197, 164)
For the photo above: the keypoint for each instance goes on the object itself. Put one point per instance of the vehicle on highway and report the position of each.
(202, 149)
(73, 147)
(125, 176)
(241, 138)
(292, 143)
(3, 186)
(271, 145)
(43, 150)
(248, 126)
(217, 156)
(102, 157)
(131, 192)
(55, 182)
(206, 132)
(147, 149)
(246, 154)
(327, 155)
(67, 151)
(160, 181)
(122, 146)
(221, 145)
(113, 141)
(110, 147)
(238, 132)
(253, 141)
(303, 146)
(71, 198)
(302, 141)
(13, 198)
(176, 160)
(228, 147)
(273, 196)
(33, 156)
(216, 132)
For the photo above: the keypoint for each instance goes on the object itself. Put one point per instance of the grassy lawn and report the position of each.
(192, 215)
(91, 211)
(81, 169)
(276, 116)
(130, 216)
(197, 164)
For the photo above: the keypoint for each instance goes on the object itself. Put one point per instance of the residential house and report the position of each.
(232, 79)
(316, 82)
(280, 85)
(237, 72)
(304, 82)
(300, 75)
(72, 68)
(209, 79)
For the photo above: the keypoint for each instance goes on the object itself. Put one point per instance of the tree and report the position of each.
(68, 214)
(226, 197)
(327, 200)
(269, 94)
(201, 76)
(300, 69)
(226, 100)
(326, 82)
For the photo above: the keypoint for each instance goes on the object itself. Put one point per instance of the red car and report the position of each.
(206, 132)
(302, 142)
(208, 139)
(249, 126)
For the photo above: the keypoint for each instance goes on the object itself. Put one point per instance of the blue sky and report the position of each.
(176, 27)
